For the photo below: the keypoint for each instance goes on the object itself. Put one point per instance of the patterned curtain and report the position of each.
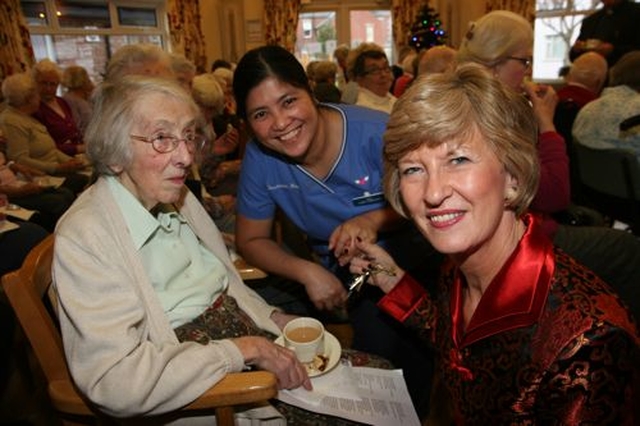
(404, 13)
(526, 8)
(16, 54)
(185, 31)
(281, 22)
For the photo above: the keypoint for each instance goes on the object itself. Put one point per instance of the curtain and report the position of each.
(16, 54)
(185, 31)
(404, 14)
(526, 8)
(281, 22)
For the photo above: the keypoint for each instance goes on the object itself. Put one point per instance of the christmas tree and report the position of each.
(426, 32)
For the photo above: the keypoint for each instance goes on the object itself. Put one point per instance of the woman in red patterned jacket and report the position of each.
(525, 334)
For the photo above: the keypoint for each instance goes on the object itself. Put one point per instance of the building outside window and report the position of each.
(557, 27)
(324, 24)
(87, 32)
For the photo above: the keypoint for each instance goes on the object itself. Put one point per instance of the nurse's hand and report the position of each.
(324, 289)
(343, 238)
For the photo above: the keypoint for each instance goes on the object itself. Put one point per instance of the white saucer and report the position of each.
(332, 349)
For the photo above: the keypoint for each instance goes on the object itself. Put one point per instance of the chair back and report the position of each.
(26, 290)
(612, 178)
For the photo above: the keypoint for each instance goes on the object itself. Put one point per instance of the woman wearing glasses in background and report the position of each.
(502, 41)
(368, 66)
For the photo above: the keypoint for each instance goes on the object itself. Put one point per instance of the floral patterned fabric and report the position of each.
(186, 32)
(281, 21)
(16, 54)
(225, 320)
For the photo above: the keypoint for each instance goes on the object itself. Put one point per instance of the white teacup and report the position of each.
(305, 335)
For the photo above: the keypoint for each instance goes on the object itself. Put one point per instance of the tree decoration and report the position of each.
(427, 31)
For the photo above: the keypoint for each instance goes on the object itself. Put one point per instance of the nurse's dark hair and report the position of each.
(263, 62)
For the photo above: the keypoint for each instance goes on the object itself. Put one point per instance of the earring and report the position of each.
(511, 194)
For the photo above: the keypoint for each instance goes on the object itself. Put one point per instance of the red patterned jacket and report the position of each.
(549, 343)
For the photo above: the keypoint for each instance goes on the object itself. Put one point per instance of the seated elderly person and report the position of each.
(598, 123)
(28, 141)
(152, 311)
(368, 66)
(54, 111)
(31, 189)
(78, 88)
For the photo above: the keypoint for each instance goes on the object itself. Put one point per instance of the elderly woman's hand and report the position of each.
(385, 274)
(277, 359)
(342, 239)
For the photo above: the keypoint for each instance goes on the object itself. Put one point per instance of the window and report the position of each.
(87, 32)
(324, 24)
(557, 27)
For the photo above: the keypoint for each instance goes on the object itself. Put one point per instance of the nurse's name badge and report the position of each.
(368, 198)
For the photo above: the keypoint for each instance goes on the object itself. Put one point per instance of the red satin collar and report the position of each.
(516, 296)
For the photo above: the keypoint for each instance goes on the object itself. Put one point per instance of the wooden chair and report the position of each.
(27, 287)
(610, 179)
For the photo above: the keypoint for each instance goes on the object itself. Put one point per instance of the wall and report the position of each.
(228, 36)
(456, 16)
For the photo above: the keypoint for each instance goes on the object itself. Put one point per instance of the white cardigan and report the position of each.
(121, 350)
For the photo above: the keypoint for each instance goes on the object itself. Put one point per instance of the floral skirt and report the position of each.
(225, 320)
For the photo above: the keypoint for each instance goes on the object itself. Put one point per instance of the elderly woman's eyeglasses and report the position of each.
(527, 62)
(377, 71)
(164, 143)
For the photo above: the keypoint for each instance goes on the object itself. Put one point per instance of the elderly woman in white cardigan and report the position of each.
(139, 267)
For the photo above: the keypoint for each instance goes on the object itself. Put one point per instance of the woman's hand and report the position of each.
(342, 239)
(226, 143)
(385, 273)
(70, 166)
(544, 100)
(324, 289)
(27, 171)
(277, 359)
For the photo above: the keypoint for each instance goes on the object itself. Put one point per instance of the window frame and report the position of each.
(53, 26)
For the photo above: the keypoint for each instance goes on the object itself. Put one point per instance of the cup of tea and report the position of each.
(305, 335)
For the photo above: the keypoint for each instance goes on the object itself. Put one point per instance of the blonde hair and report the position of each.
(208, 93)
(75, 77)
(437, 59)
(454, 106)
(19, 89)
(134, 58)
(325, 71)
(46, 66)
(494, 37)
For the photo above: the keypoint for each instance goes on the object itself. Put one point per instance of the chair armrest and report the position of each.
(233, 389)
(248, 272)
(238, 388)
(66, 399)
